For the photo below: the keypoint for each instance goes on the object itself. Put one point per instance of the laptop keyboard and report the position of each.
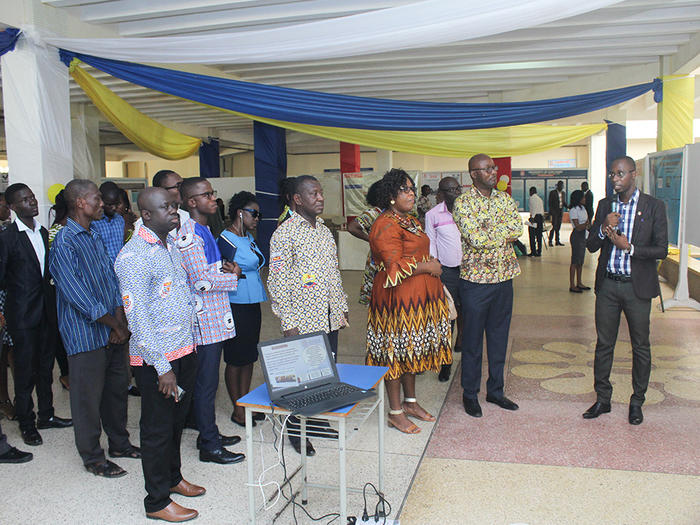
(316, 397)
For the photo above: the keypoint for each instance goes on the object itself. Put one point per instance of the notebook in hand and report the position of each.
(301, 375)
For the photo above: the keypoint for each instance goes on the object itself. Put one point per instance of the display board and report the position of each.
(545, 180)
(665, 178)
(692, 196)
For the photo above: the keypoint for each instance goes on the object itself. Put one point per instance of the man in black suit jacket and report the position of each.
(630, 230)
(557, 203)
(30, 310)
(587, 200)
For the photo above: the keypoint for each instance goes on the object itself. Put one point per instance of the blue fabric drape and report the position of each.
(616, 147)
(325, 109)
(209, 159)
(270, 168)
(8, 39)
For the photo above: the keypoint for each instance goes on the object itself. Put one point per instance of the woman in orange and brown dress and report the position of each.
(408, 329)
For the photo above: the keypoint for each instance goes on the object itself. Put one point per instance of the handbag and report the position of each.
(451, 309)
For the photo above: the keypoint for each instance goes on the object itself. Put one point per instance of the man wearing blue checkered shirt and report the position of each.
(630, 230)
(111, 226)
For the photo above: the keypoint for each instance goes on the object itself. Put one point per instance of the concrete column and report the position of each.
(88, 162)
(385, 159)
(37, 120)
(597, 169)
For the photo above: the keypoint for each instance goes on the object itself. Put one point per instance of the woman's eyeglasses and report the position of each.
(407, 189)
(253, 213)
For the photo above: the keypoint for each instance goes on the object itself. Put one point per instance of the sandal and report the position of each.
(65, 382)
(106, 469)
(7, 409)
(131, 453)
(423, 417)
(412, 429)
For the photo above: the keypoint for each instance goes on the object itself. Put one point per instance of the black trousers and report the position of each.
(612, 298)
(536, 235)
(162, 421)
(485, 308)
(206, 384)
(4, 447)
(98, 399)
(556, 225)
(34, 355)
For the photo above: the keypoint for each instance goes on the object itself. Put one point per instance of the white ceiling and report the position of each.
(606, 44)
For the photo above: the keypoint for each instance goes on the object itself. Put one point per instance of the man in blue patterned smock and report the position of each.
(306, 291)
(160, 309)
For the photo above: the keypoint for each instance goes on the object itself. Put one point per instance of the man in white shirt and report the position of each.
(536, 219)
(170, 182)
(30, 310)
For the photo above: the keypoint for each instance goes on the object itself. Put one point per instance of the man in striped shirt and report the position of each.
(630, 230)
(93, 328)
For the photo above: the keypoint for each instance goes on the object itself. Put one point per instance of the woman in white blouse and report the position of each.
(579, 220)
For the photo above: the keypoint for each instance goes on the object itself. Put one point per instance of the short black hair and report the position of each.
(186, 187)
(238, 202)
(75, 189)
(109, 188)
(159, 177)
(576, 198)
(286, 187)
(630, 161)
(13, 189)
(533, 190)
(300, 181)
(60, 207)
(389, 186)
(372, 194)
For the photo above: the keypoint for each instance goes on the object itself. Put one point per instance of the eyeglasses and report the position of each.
(207, 194)
(619, 174)
(176, 187)
(253, 213)
(489, 169)
(407, 189)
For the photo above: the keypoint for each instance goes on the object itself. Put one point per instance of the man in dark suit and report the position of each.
(557, 203)
(30, 311)
(630, 230)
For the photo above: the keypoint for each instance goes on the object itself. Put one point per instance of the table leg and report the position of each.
(343, 479)
(249, 450)
(304, 488)
(380, 433)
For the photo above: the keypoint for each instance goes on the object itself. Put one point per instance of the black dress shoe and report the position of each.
(596, 409)
(15, 456)
(472, 407)
(296, 444)
(54, 422)
(226, 441)
(32, 437)
(559, 244)
(502, 402)
(220, 456)
(636, 417)
(444, 374)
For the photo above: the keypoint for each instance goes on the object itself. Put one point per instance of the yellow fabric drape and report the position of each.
(496, 142)
(675, 112)
(142, 130)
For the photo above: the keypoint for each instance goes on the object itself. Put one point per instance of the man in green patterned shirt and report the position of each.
(489, 222)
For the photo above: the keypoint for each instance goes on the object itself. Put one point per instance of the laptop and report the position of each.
(301, 375)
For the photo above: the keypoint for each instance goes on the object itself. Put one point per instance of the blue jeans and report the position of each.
(485, 308)
(209, 361)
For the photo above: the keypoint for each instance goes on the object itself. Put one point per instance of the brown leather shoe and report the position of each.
(173, 513)
(185, 488)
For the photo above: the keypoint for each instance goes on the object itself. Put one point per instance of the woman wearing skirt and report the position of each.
(579, 221)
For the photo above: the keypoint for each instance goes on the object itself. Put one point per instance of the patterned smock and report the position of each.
(366, 220)
(408, 328)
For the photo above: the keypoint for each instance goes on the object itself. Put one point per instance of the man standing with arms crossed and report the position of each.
(446, 247)
(160, 309)
(489, 222)
(631, 231)
(210, 281)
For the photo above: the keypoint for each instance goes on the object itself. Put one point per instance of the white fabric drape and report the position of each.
(420, 24)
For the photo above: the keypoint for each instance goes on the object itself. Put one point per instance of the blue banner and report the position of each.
(8, 39)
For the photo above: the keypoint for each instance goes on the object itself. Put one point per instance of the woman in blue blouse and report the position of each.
(237, 244)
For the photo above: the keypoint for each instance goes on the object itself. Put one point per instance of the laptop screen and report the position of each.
(296, 362)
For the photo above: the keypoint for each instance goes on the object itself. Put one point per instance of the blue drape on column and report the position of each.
(8, 39)
(209, 159)
(616, 136)
(270, 169)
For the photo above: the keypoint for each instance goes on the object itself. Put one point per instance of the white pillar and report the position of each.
(85, 132)
(37, 119)
(597, 170)
(385, 160)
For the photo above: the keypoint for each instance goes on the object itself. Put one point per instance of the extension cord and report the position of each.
(370, 521)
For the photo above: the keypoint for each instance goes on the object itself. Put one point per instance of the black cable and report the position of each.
(382, 501)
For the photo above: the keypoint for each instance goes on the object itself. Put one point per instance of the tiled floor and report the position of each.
(541, 465)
